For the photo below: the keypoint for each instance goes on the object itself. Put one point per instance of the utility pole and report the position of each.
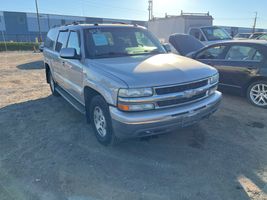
(150, 10)
(38, 21)
(255, 22)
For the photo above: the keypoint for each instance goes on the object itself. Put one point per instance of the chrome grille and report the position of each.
(182, 93)
(181, 100)
(181, 88)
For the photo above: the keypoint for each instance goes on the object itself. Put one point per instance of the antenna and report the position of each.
(150, 10)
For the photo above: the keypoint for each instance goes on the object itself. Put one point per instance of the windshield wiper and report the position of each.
(112, 54)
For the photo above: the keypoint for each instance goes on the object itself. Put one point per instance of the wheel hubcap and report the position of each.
(100, 121)
(258, 94)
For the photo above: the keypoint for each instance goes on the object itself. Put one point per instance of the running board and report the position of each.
(77, 105)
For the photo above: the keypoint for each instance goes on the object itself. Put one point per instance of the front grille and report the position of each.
(181, 88)
(174, 102)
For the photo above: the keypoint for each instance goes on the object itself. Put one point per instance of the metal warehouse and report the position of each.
(23, 27)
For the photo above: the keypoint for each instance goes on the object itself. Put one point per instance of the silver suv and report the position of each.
(127, 83)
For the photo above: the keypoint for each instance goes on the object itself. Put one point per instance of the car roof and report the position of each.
(96, 25)
(260, 42)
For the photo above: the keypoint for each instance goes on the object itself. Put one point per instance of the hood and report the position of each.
(151, 71)
(185, 44)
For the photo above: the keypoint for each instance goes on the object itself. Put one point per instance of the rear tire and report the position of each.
(52, 84)
(101, 121)
(257, 94)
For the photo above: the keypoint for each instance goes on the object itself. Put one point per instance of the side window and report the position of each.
(258, 57)
(243, 53)
(62, 40)
(74, 42)
(51, 39)
(215, 52)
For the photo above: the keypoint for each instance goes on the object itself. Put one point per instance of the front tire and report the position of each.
(101, 121)
(257, 94)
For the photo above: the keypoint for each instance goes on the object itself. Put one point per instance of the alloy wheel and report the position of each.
(100, 121)
(258, 94)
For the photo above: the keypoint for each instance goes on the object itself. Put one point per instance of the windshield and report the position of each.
(106, 42)
(215, 33)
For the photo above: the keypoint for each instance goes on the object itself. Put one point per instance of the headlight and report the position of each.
(214, 79)
(141, 92)
(136, 107)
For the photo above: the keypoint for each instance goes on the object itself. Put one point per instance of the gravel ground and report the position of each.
(48, 152)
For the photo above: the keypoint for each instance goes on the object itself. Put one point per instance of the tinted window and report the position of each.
(215, 52)
(74, 42)
(51, 39)
(115, 42)
(243, 53)
(62, 40)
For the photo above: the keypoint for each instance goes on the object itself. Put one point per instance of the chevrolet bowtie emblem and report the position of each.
(189, 93)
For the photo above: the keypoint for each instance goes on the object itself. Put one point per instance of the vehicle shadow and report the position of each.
(32, 65)
(46, 148)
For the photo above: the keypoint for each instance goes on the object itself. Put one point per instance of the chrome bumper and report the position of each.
(140, 124)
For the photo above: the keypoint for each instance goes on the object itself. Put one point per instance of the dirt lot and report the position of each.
(48, 152)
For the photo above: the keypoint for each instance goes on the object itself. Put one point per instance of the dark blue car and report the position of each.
(242, 64)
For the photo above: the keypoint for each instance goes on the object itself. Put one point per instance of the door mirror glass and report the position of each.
(69, 53)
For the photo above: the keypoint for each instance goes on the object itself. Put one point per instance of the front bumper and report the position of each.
(140, 124)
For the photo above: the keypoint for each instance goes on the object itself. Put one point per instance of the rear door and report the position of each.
(74, 67)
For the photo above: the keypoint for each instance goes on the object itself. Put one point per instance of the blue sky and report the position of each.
(225, 12)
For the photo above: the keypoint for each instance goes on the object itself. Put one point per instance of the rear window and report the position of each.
(51, 39)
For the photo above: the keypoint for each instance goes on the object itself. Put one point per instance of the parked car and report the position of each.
(262, 37)
(125, 82)
(242, 36)
(256, 35)
(41, 47)
(209, 34)
(242, 64)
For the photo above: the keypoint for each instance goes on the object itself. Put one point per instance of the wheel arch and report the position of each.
(47, 70)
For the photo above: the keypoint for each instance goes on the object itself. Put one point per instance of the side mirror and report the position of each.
(167, 47)
(69, 53)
